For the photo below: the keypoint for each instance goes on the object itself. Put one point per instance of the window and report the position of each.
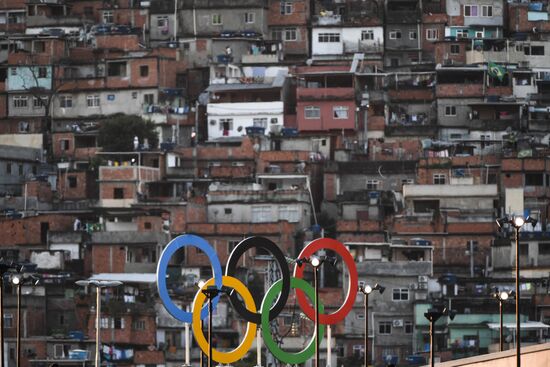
(144, 71)
(8, 320)
(312, 112)
(162, 21)
(20, 170)
(407, 181)
(138, 325)
(384, 327)
(400, 294)
(394, 35)
(92, 101)
(461, 33)
(431, 34)
(329, 37)
(340, 112)
(217, 19)
(413, 35)
(486, 10)
(13, 71)
(64, 144)
(249, 18)
(277, 34)
(149, 99)
(117, 68)
(65, 101)
(39, 102)
(72, 181)
(470, 10)
(544, 248)
(227, 211)
(523, 249)
(290, 34)
(408, 327)
(450, 110)
(367, 35)
(261, 214)
(537, 50)
(372, 184)
(440, 178)
(226, 125)
(118, 193)
(479, 34)
(20, 101)
(260, 122)
(286, 7)
(289, 213)
(147, 225)
(455, 49)
(58, 351)
(108, 16)
(534, 179)
(42, 72)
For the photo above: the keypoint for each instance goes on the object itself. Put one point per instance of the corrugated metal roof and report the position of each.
(127, 277)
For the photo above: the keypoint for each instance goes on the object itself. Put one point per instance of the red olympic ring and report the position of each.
(340, 249)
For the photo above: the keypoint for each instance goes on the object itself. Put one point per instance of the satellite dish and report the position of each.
(309, 62)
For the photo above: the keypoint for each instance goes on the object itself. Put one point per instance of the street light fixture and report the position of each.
(433, 314)
(99, 284)
(501, 296)
(366, 290)
(517, 222)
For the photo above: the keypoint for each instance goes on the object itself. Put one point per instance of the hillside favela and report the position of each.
(274, 183)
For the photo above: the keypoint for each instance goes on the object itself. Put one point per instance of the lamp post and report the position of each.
(366, 290)
(99, 284)
(501, 297)
(517, 222)
(433, 314)
(4, 268)
(17, 280)
(211, 292)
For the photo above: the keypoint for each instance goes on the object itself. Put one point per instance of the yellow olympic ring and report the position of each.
(239, 352)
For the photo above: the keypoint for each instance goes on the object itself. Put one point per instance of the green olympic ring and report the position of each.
(281, 355)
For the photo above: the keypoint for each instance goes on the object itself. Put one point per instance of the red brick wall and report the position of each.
(127, 335)
(107, 190)
(459, 90)
(108, 258)
(56, 141)
(26, 231)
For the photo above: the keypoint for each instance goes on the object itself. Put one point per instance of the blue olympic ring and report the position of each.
(171, 248)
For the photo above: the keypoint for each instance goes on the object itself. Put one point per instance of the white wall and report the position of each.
(352, 38)
(327, 48)
(242, 115)
(123, 102)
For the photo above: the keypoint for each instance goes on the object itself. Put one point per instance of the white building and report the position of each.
(232, 119)
(347, 40)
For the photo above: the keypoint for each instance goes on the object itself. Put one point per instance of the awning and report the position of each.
(126, 277)
(529, 325)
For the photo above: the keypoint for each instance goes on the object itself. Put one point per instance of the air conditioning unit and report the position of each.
(422, 279)
(423, 286)
(413, 286)
(397, 323)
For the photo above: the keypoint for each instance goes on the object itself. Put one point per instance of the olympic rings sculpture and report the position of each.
(247, 309)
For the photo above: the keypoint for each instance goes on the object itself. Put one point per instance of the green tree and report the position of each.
(118, 132)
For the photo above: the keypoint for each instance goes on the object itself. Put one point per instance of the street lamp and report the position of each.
(99, 284)
(211, 292)
(366, 290)
(433, 314)
(316, 262)
(501, 297)
(17, 280)
(517, 222)
(4, 269)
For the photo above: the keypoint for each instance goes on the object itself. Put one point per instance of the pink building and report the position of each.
(325, 99)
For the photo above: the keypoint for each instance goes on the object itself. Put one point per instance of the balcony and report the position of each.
(396, 268)
(261, 59)
(50, 21)
(327, 20)
(329, 94)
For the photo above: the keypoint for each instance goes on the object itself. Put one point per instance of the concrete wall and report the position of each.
(231, 19)
(107, 105)
(26, 77)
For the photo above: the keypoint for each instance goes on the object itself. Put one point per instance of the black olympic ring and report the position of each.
(238, 251)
